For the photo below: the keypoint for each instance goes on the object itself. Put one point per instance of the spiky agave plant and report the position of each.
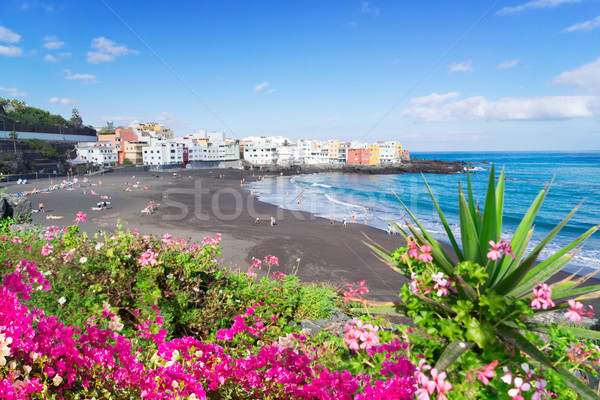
(505, 279)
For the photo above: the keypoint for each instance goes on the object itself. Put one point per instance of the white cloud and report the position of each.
(106, 50)
(84, 78)
(586, 77)
(510, 108)
(271, 91)
(462, 67)
(10, 51)
(535, 4)
(509, 63)
(6, 35)
(57, 58)
(332, 119)
(52, 43)
(13, 92)
(63, 102)
(584, 26)
(261, 86)
(368, 9)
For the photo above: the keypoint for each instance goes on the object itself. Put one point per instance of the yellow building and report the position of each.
(133, 151)
(334, 150)
(398, 150)
(158, 131)
(374, 153)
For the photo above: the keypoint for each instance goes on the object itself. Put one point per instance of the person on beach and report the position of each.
(257, 220)
(393, 230)
(344, 222)
(272, 221)
(354, 217)
(331, 220)
(41, 207)
(389, 229)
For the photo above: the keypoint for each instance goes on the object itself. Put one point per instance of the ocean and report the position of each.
(527, 173)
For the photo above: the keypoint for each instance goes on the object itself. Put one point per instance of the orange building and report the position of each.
(118, 140)
(359, 156)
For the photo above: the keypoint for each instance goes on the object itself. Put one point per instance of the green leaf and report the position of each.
(479, 333)
(508, 283)
(468, 230)
(576, 384)
(500, 203)
(518, 240)
(489, 225)
(428, 238)
(451, 353)
(580, 333)
(472, 210)
(455, 246)
(529, 282)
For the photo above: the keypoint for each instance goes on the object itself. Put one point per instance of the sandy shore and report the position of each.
(201, 203)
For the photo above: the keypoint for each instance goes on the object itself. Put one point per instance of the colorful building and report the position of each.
(373, 154)
(361, 156)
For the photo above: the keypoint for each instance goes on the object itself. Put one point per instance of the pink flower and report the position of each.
(425, 256)
(81, 217)
(114, 323)
(541, 297)
(166, 238)
(507, 248)
(488, 372)
(250, 273)
(256, 263)
(495, 252)
(16, 239)
(576, 313)
(271, 260)
(520, 386)
(148, 257)
(278, 275)
(47, 249)
(413, 251)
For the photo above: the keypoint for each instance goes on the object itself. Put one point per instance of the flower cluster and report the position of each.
(81, 217)
(542, 297)
(524, 381)
(499, 249)
(360, 335)
(46, 357)
(428, 385)
(576, 313)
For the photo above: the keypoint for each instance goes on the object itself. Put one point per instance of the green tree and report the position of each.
(76, 120)
(14, 136)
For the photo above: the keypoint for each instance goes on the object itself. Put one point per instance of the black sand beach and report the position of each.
(202, 203)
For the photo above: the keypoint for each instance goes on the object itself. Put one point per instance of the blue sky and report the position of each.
(435, 75)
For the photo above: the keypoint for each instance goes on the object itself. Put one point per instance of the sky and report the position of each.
(436, 76)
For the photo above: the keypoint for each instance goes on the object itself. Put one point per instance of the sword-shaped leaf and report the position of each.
(542, 276)
(451, 353)
(468, 231)
(489, 227)
(455, 246)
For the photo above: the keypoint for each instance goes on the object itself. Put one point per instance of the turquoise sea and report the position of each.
(577, 178)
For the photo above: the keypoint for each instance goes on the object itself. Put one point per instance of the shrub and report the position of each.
(474, 315)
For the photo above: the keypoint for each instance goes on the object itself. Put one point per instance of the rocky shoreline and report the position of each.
(412, 166)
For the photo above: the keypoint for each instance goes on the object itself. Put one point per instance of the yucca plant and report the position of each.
(489, 288)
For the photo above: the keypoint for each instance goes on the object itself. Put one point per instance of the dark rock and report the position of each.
(18, 228)
(17, 207)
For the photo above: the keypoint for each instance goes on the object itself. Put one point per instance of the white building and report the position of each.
(98, 153)
(260, 155)
(388, 152)
(163, 152)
